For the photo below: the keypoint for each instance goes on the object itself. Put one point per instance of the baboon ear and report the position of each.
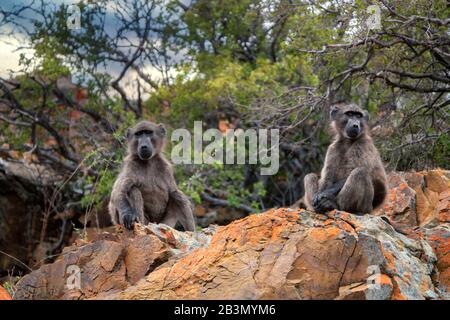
(334, 112)
(366, 115)
(162, 129)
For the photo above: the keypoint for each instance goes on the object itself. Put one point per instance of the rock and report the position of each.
(417, 198)
(432, 196)
(443, 207)
(296, 254)
(109, 262)
(439, 239)
(437, 180)
(400, 204)
(4, 295)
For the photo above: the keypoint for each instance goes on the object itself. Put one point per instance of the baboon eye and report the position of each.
(353, 114)
(140, 133)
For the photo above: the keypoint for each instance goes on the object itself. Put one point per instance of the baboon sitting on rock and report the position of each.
(353, 177)
(145, 190)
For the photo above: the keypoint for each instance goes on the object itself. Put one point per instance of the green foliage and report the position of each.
(225, 181)
(98, 189)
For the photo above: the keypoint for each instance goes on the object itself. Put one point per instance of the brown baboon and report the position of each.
(145, 190)
(353, 177)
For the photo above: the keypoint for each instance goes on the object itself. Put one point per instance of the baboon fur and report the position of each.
(145, 189)
(353, 178)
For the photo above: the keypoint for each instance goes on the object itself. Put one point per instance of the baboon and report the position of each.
(353, 177)
(145, 190)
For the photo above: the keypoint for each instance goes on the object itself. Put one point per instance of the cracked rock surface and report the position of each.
(296, 254)
(109, 262)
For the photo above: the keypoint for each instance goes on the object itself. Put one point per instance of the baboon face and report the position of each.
(349, 120)
(146, 139)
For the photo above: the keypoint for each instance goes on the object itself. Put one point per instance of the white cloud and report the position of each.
(9, 55)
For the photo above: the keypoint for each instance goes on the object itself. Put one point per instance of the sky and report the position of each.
(10, 46)
(9, 53)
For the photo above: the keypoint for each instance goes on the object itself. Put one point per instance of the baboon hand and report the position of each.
(128, 220)
(323, 202)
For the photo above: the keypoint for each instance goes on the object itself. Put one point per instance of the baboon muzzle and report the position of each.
(145, 152)
(353, 128)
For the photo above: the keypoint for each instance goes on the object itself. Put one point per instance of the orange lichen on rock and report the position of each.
(390, 260)
(437, 180)
(109, 262)
(288, 254)
(443, 206)
(4, 295)
(439, 239)
(396, 293)
(403, 186)
(324, 234)
(384, 280)
(417, 198)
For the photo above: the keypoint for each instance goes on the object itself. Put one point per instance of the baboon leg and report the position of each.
(137, 202)
(113, 212)
(357, 193)
(179, 209)
(311, 183)
(170, 218)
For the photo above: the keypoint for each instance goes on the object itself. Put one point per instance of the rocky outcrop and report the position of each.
(399, 253)
(439, 239)
(418, 198)
(291, 254)
(108, 262)
(281, 254)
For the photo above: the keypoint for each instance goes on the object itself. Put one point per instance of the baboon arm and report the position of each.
(328, 178)
(179, 209)
(335, 188)
(124, 206)
(126, 212)
(325, 200)
(137, 202)
(122, 186)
